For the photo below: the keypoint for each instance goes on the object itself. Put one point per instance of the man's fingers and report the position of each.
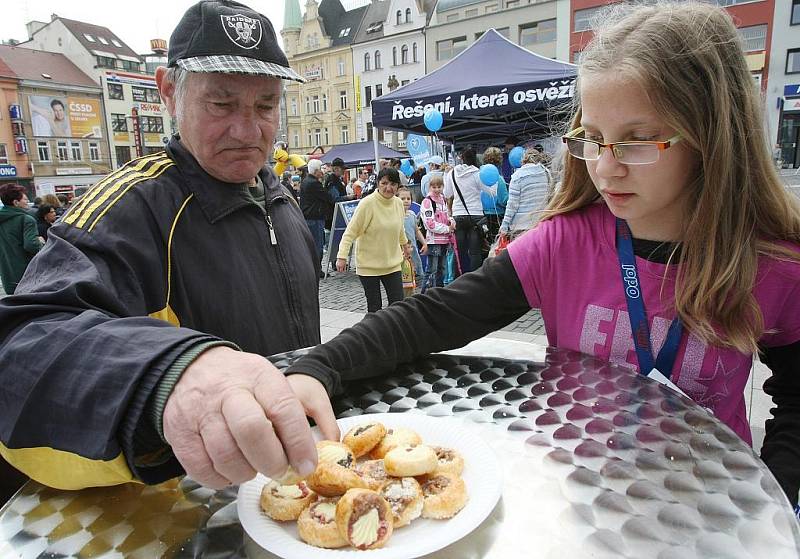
(192, 455)
(223, 451)
(254, 434)
(316, 403)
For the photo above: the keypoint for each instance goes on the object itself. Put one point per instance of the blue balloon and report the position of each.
(433, 120)
(515, 157)
(489, 174)
(406, 167)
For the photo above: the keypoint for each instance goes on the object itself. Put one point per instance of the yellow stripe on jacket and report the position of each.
(378, 227)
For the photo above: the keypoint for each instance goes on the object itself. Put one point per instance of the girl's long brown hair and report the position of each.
(689, 59)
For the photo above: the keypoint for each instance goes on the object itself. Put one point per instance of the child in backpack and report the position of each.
(414, 235)
(671, 221)
(439, 226)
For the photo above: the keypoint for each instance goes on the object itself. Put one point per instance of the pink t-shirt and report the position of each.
(569, 269)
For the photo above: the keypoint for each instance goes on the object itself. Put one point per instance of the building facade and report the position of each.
(15, 166)
(783, 90)
(321, 112)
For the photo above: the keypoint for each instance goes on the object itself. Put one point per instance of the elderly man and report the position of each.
(317, 203)
(160, 291)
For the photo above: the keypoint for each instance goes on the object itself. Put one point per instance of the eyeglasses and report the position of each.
(628, 153)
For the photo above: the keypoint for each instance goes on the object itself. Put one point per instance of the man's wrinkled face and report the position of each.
(227, 121)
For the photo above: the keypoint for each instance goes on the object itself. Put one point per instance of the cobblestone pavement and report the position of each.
(343, 292)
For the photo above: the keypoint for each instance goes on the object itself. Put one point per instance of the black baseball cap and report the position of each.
(223, 36)
(337, 162)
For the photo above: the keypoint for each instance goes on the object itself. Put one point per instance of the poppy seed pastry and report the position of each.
(394, 437)
(331, 479)
(405, 497)
(444, 495)
(285, 502)
(363, 438)
(409, 461)
(364, 519)
(317, 525)
(335, 452)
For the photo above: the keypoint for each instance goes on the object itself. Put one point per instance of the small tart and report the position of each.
(394, 437)
(408, 461)
(337, 453)
(445, 494)
(373, 472)
(448, 460)
(317, 525)
(363, 438)
(364, 519)
(331, 479)
(405, 497)
(285, 502)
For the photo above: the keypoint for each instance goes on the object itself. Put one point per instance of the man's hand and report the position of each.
(233, 414)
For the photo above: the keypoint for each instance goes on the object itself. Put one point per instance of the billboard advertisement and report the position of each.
(65, 116)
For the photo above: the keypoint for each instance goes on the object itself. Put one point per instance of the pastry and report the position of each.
(364, 519)
(362, 438)
(289, 477)
(338, 453)
(373, 473)
(448, 460)
(407, 461)
(285, 502)
(445, 494)
(393, 438)
(405, 498)
(317, 525)
(331, 479)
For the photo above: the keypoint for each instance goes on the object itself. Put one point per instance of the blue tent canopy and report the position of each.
(360, 153)
(491, 90)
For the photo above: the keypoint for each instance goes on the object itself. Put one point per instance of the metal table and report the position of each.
(599, 462)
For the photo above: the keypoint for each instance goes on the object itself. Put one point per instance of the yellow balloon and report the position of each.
(283, 159)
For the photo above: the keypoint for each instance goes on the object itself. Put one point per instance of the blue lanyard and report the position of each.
(639, 326)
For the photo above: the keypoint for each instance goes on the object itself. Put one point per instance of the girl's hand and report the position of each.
(341, 264)
(424, 249)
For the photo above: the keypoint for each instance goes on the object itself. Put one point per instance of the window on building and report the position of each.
(537, 33)
(308, 106)
(123, 154)
(76, 150)
(317, 137)
(377, 60)
(512, 4)
(130, 65)
(152, 124)
(795, 12)
(584, 19)
(451, 17)
(327, 140)
(340, 67)
(408, 15)
(414, 52)
(119, 123)
(367, 95)
(793, 61)
(43, 150)
(471, 13)
(116, 43)
(115, 91)
(3, 155)
(145, 94)
(369, 131)
(325, 103)
(315, 103)
(754, 37)
(309, 137)
(345, 135)
(491, 8)
(366, 62)
(447, 49)
(102, 40)
(62, 152)
(404, 82)
(394, 56)
(94, 151)
(378, 90)
(89, 38)
(404, 54)
(343, 100)
(293, 106)
(106, 62)
(399, 17)
(296, 138)
(344, 32)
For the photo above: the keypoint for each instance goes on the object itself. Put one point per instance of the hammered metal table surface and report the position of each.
(598, 462)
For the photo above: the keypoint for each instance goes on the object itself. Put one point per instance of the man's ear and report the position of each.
(166, 89)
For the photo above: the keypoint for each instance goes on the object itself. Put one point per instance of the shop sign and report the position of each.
(73, 170)
(791, 90)
(314, 73)
(791, 106)
(8, 171)
(150, 107)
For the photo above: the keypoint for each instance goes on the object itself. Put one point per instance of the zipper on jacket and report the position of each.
(272, 238)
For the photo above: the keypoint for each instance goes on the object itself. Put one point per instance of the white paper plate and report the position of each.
(482, 475)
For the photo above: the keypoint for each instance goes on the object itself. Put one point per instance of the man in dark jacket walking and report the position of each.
(316, 202)
(19, 240)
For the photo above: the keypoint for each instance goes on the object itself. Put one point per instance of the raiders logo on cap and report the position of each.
(242, 30)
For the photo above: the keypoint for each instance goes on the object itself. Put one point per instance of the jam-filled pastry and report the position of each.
(373, 472)
(285, 502)
(394, 437)
(408, 461)
(364, 519)
(335, 452)
(331, 479)
(363, 438)
(449, 460)
(317, 525)
(445, 494)
(405, 497)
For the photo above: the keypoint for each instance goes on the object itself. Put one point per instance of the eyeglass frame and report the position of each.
(661, 145)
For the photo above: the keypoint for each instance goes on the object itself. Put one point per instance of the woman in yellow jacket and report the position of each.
(382, 244)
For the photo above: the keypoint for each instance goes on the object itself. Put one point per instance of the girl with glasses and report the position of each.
(671, 222)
